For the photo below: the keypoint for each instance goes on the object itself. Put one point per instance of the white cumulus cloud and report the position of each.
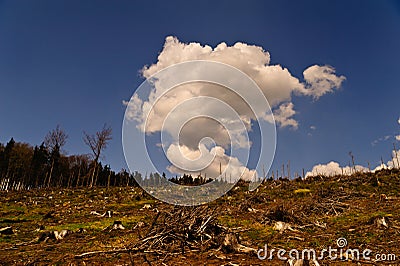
(283, 115)
(276, 83)
(333, 168)
(321, 80)
(230, 166)
(395, 162)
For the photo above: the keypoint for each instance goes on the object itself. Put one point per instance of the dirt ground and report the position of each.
(363, 209)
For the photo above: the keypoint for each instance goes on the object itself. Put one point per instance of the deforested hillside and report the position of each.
(125, 226)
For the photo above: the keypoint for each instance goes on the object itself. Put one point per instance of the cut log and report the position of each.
(107, 213)
(381, 222)
(231, 245)
(146, 207)
(282, 226)
(60, 235)
(6, 231)
(117, 225)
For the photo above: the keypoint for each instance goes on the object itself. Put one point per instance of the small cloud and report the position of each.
(380, 167)
(321, 80)
(283, 116)
(384, 138)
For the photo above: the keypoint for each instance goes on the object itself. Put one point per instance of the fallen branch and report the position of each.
(6, 231)
(93, 253)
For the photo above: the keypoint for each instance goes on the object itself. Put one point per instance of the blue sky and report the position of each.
(73, 63)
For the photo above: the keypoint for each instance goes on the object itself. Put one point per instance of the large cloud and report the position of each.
(276, 82)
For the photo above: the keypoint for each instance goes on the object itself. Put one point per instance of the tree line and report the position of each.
(23, 166)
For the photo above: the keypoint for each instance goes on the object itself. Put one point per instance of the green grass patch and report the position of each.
(97, 225)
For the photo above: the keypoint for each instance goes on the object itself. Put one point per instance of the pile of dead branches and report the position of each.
(181, 228)
(331, 207)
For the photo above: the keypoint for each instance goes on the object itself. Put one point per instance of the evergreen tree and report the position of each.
(19, 165)
(6, 158)
(39, 165)
(54, 161)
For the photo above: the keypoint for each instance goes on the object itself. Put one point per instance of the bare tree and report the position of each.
(54, 141)
(55, 138)
(97, 143)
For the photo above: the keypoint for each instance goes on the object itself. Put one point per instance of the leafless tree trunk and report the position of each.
(352, 160)
(54, 140)
(50, 173)
(97, 143)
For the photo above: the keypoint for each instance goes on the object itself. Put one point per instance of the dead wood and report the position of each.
(184, 228)
(117, 225)
(99, 252)
(231, 245)
(6, 231)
